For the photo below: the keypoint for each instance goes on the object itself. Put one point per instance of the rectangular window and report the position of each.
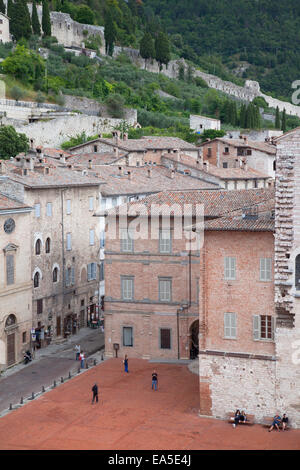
(68, 277)
(24, 337)
(103, 203)
(68, 206)
(92, 271)
(39, 306)
(165, 290)
(230, 325)
(127, 288)
(225, 165)
(37, 208)
(126, 241)
(49, 209)
(127, 336)
(263, 327)
(165, 338)
(102, 239)
(230, 268)
(91, 203)
(72, 276)
(164, 241)
(69, 242)
(265, 269)
(92, 237)
(102, 271)
(10, 269)
(209, 153)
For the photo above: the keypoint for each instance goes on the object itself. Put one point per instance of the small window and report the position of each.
(55, 275)
(36, 279)
(114, 201)
(102, 271)
(165, 338)
(225, 165)
(48, 245)
(230, 268)
(69, 242)
(95, 148)
(10, 269)
(263, 327)
(92, 271)
(255, 184)
(230, 325)
(165, 290)
(38, 245)
(249, 152)
(39, 306)
(24, 337)
(91, 203)
(68, 206)
(103, 203)
(37, 208)
(127, 288)
(49, 209)
(297, 272)
(209, 152)
(274, 165)
(102, 239)
(226, 150)
(68, 280)
(265, 269)
(92, 237)
(127, 336)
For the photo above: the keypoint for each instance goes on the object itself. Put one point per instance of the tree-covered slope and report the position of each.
(264, 35)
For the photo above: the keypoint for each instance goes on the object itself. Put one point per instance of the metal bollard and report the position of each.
(43, 389)
(86, 366)
(54, 384)
(21, 401)
(10, 406)
(32, 396)
(78, 370)
(70, 375)
(95, 362)
(102, 357)
(62, 380)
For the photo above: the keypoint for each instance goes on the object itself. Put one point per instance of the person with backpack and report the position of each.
(95, 393)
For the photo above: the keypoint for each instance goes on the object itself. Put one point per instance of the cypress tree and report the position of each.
(10, 14)
(243, 116)
(147, 49)
(110, 34)
(46, 23)
(2, 7)
(20, 20)
(283, 124)
(277, 119)
(35, 20)
(257, 118)
(162, 49)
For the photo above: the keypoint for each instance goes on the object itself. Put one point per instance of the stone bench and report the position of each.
(249, 419)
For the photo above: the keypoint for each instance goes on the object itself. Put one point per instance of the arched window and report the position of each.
(11, 320)
(36, 279)
(38, 247)
(55, 275)
(297, 272)
(48, 245)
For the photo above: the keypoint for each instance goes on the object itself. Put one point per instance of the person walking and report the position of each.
(95, 393)
(154, 380)
(77, 350)
(82, 358)
(126, 363)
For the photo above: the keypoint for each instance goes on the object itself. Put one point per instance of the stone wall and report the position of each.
(89, 106)
(54, 132)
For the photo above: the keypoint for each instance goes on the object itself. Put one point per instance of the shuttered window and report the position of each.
(37, 208)
(68, 206)
(126, 241)
(165, 338)
(263, 327)
(10, 269)
(92, 271)
(127, 336)
(230, 325)
(265, 269)
(164, 241)
(49, 209)
(127, 288)
(69, 242)
(230, 268)
(297, 272)
(92, 237)
(165, 290)
(91, 203)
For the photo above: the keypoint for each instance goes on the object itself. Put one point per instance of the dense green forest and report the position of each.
(261, 34)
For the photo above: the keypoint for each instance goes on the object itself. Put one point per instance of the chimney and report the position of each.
(206, 166)
(2, 168)
(129, 175)
(120, 171)
(172, 174)
(116, 151)
(125, 136)
(31, 143)
(62, 158)
(149, 172)
(176, 154)
(116, 137)
(90, 164)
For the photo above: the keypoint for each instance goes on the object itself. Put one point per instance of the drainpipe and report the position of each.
(179, 310)
(63, 252)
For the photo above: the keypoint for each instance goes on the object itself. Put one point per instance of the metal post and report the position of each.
(62, 380)
(69, 375)
(43, 389)
(54, 384)
(10, 406)
(21, 401)
(32, 395)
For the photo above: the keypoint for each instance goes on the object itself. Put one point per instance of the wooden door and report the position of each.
(58, 326)
(11, 353)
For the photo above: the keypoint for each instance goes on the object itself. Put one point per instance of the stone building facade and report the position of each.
(201, 123)
(15, 279)
(64, 243)
(4, 28)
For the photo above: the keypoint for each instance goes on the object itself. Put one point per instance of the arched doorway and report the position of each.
(194, 339)
(10, 326)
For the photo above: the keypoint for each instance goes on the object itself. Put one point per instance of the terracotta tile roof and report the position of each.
(253, 144)
(216, 203)
(236, 173)
(96, 158)
(264, 223)
(58, 176)
(8, 203)
(141, 183)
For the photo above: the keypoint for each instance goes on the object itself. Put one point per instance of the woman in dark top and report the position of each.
(284, 421)
(236, 418)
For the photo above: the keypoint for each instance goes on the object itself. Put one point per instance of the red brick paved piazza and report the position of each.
(130, 415)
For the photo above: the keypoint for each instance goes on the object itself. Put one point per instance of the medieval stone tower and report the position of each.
(287, 275)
